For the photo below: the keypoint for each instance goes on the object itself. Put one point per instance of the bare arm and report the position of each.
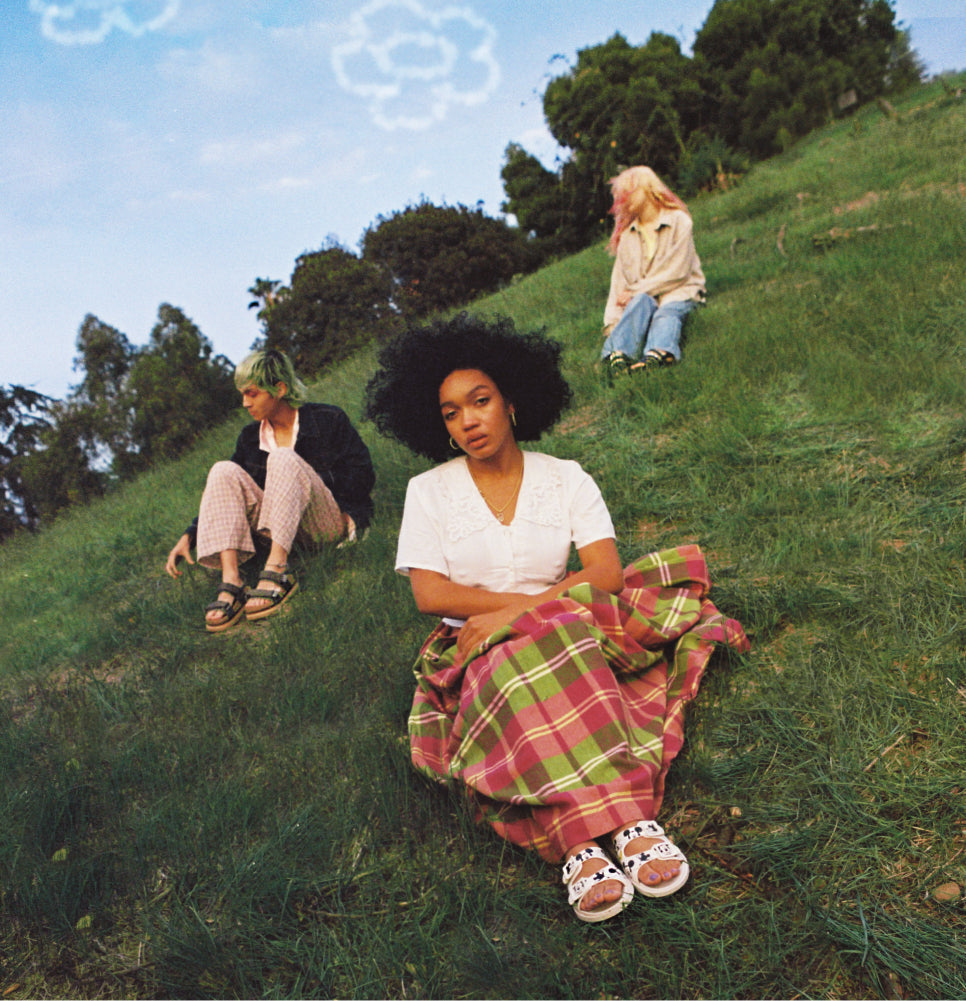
(436, 594)
(487, 611)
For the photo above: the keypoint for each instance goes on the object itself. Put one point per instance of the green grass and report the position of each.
(185, 815)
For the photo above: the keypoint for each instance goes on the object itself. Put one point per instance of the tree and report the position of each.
(444, 256)
(619, 105)
(63, 470)
(335, 302)
(773, 69)
(176, 389)
(265, 292)
(535, 196)
(132, 407)
(56, 446)
(135, 405)
(105, 357)
(764, 72)
(906, 67)
(23, 418)
(623, 105)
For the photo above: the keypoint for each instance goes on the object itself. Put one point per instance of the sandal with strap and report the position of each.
(231, 610)
(618, 364)
(655, 358)
(576, 888)
(287, 586)
(664, 850)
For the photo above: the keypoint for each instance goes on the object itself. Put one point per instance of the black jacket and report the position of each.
(331, 446)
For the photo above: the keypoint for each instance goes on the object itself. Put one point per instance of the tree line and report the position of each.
(135, 406)
(414, 262)
(762, 74)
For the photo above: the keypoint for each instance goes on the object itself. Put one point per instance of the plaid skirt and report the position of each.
(564, 727)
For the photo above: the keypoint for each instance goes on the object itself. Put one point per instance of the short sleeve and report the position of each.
(420, 544)
(589, 518)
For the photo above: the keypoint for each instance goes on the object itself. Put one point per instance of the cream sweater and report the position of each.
(672, 273)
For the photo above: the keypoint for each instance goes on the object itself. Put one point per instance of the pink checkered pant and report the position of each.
(295, 504)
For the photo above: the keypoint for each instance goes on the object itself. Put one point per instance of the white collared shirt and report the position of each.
(448, 528)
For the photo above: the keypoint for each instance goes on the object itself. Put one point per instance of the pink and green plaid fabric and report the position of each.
(565, 730)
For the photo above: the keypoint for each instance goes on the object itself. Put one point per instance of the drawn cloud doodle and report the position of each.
(413, 65)
(88, 22)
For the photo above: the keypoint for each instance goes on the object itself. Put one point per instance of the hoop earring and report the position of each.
(453, 445)
(513, 418)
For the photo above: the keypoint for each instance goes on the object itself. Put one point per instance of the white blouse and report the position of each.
(448, 528)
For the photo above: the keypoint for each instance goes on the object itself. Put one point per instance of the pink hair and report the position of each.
(639, 194)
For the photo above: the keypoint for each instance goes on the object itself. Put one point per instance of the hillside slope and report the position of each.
(194, 816)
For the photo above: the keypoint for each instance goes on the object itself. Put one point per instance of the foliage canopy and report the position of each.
(773, 70)
(441, 256)
(335, 302)
(132, 407)
(23, 419)
(176, 389)
(763, 73)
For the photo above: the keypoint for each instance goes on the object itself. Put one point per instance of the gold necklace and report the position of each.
(499, 511)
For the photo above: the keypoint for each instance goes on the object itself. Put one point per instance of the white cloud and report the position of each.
(413, 66)
(88, 22)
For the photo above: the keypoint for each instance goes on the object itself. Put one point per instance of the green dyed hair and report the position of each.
(265, 370)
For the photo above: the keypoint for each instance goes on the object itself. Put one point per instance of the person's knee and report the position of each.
(281, 455)
(224, 471)
(283, 461)
(643, 301)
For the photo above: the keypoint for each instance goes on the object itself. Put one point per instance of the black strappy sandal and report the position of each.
(287, 586)
(656, 358)
(617, 364)
(231, 610)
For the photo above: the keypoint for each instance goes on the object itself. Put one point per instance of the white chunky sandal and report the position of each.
(662, 851)
(577, 888)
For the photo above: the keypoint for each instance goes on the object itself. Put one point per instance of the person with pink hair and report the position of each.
(656, 279)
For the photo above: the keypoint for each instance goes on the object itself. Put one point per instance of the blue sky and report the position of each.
(176, 150)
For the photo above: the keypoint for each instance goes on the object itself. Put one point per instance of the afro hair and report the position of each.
(402, 398)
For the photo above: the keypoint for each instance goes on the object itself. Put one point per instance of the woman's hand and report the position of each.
(478, 628)
(486, 612)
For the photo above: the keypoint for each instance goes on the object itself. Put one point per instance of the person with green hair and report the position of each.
(300, 472)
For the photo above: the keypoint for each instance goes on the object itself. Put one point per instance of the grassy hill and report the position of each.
(185, 815)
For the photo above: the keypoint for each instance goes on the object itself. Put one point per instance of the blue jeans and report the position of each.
(646, 325)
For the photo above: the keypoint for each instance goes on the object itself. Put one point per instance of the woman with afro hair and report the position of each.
(548, 695)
